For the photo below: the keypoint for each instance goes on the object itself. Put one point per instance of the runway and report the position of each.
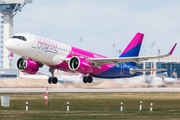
(81, 90)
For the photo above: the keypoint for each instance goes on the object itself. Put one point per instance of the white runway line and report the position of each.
(80, 90)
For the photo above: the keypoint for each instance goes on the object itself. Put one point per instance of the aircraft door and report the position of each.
(34, 42)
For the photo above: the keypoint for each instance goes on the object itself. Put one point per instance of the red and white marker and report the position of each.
(46, 97)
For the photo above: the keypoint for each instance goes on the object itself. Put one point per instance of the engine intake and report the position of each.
(80, 65)
(28, 66)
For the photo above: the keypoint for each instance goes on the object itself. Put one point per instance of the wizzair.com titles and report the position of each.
(47, 45)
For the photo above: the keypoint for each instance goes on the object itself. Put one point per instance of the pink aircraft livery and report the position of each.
(38, 51)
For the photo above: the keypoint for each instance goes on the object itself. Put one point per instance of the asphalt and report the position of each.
(81, 90)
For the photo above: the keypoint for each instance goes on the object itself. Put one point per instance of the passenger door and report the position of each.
(34, 42)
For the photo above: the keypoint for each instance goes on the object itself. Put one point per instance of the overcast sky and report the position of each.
(103, 22)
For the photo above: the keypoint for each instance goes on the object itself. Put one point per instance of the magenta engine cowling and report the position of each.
(28, 66)
(80, 65)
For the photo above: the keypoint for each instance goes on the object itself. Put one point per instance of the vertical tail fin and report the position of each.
(133, 48)
(174, 74)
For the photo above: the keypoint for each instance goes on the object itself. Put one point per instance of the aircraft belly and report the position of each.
(62, 66)
(116, 72)
(113, 73)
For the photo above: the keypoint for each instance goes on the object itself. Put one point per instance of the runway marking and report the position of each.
(81, 90)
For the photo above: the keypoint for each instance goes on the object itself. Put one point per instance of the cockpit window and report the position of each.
(20, 37)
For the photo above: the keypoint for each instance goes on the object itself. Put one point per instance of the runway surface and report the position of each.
(81, 90)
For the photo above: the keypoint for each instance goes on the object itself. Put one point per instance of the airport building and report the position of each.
(169, 63)
(9, 8)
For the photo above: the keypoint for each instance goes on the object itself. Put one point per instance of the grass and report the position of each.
(92, 106)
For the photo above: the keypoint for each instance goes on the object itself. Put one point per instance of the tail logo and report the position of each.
(175, 75)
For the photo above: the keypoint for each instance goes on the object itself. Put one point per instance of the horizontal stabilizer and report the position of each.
(145, 70)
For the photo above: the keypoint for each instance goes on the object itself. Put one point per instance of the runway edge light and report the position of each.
(151, 105)
(140, 107)
(67, 106)
(121, 106)
(26, 106)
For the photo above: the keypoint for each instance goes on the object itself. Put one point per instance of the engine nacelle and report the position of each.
(80, 65)
(28, 66)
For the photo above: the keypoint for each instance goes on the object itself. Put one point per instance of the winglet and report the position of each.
(170, 53)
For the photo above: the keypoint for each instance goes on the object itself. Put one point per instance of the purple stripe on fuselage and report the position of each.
(86, 54)
(135, 41)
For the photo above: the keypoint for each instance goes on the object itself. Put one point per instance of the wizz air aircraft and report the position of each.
(38, 51)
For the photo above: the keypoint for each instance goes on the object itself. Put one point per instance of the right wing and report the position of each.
(97, 62)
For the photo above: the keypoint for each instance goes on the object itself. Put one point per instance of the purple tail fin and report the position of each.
(132, 50)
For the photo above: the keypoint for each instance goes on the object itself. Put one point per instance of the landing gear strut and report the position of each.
(88, 79)
(52, 79)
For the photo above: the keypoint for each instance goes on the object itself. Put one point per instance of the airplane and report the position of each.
(172, 79)
(37, 51)
(161, 79)
(174, 74)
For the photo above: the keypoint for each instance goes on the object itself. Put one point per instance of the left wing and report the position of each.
(97, 62)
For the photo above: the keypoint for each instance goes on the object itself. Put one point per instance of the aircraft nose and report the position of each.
(8, 44)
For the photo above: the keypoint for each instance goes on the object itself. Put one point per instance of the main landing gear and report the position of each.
(52, 79)
(88, 79)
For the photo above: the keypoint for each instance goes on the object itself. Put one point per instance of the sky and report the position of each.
(102, 23)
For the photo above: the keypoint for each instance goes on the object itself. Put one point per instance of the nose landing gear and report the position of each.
(88, 79)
